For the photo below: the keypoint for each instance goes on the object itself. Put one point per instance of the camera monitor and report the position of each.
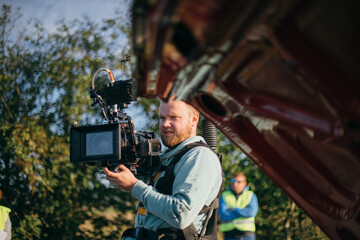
(95, 143)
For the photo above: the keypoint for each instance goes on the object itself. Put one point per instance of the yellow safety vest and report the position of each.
(4, 213)
(241, 223)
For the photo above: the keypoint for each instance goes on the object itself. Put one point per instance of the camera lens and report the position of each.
(99, 143)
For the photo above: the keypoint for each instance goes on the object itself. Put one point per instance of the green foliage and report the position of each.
(44, 86)
(149, 108)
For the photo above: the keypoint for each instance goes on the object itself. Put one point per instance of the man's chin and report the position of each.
(168, 141)
(172, 141)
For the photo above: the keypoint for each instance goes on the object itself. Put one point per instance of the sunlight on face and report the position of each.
(176, 122)
(238, 184)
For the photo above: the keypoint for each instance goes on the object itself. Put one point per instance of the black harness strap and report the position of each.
(165, 184)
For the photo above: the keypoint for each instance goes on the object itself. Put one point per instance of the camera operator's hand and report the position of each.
(123, 179)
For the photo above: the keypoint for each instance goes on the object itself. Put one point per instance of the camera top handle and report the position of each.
(117, 94)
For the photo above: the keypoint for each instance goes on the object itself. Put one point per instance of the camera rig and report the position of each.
(116, 142)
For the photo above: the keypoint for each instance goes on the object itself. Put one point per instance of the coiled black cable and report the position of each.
(209, 133)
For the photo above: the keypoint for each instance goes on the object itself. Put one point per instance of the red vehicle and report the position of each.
(279, 78)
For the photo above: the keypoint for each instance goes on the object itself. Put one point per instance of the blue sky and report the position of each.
(50, 11)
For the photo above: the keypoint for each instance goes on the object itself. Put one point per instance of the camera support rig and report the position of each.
(116, 142)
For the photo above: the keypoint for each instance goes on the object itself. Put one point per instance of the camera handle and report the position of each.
(111, 114)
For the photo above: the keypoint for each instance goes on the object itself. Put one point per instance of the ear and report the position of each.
(195, 119)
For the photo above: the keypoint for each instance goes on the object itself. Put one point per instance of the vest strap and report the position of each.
(4, 214)
(165, 184)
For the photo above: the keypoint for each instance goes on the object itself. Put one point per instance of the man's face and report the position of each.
(176, 123)
(238, 184)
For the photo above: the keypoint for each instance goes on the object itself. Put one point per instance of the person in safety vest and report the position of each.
(5, 223)
(172, 205)
(237, 210)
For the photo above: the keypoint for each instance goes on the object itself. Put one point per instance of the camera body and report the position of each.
(113, 144)
(116, 142)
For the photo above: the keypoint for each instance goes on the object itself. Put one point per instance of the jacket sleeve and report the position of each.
(249, 211)
(192, 189)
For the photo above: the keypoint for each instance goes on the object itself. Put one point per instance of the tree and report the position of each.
(44, 85)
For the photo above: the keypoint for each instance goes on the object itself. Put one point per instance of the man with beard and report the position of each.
(196, 180)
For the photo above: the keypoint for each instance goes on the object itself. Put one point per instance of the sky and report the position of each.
(51, 11)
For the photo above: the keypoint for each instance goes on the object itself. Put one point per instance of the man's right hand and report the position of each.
(123, 179)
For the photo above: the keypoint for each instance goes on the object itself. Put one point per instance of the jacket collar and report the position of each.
(166, 156)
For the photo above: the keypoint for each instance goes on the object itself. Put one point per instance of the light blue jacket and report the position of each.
(197, 182)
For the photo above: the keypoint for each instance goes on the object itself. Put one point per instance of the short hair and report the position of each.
(192, 109)
(189, 106)
(240, 174)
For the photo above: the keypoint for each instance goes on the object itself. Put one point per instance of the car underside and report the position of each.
(279, 78)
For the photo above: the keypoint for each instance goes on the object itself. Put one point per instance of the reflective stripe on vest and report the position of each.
(241, 224)
(4, 213)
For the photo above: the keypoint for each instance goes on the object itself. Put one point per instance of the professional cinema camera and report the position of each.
(117, 142)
